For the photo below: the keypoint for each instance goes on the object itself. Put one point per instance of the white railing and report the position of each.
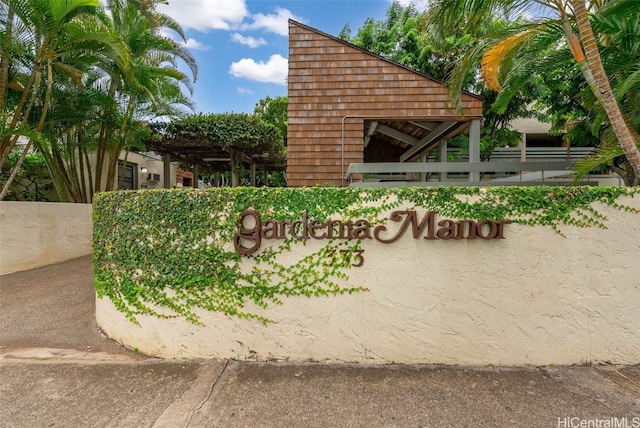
(393, 174)
(537, 153)
(507, 166)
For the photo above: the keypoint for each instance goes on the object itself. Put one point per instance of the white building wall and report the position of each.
(34, 234)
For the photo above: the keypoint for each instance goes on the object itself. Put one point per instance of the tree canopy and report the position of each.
(573, 63)
(404, 37)
(528, 51)
(80, 80)
(221, 142)
(274, 111)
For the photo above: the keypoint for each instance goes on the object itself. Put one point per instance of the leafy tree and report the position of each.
(399, 38)
(245, 139)
(33, 181)
(274, 111)
(37, 37)
(81, 82)
(405, 38)
(511, 57)
(619, 40)
(150, 87)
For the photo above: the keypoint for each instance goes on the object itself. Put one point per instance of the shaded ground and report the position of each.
(52, 307)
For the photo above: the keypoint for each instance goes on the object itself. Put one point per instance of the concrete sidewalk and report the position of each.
(57, 369)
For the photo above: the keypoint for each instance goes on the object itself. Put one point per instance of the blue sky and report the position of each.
(242, 45)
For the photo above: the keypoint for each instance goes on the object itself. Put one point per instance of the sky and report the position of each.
(241, 46)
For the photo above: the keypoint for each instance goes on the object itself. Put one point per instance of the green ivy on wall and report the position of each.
(167, 253)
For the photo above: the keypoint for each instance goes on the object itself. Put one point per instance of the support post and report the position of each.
(423, 175)
(253, 175)
(443, 157)
(196, 172)
(166, 163)
(474, 148)
(235, 180)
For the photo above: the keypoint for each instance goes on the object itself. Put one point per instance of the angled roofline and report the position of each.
(351, 45)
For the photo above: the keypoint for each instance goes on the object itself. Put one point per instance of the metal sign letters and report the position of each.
(252, 230)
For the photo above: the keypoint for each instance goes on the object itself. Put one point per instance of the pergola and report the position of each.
(206, 152)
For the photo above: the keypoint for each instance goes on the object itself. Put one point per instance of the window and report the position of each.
(130, 179)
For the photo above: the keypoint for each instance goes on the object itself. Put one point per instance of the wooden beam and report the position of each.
(253, 175)
(432, 136)
(394, 133)
(372, 128)
(429, 126)
(443, 157)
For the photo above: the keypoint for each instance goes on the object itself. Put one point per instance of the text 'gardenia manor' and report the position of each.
(252, 230)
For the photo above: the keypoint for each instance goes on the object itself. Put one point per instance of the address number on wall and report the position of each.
(355, 257)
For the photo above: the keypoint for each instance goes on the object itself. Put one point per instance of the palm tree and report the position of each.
(504, 52)
(621, 128)
(40, 27)
(618, 30)
(152, 84)
(39, 37)
(70, 84)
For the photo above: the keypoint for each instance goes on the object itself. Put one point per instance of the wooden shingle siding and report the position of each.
(333, 87)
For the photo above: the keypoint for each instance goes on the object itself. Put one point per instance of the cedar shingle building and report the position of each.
(347, 105)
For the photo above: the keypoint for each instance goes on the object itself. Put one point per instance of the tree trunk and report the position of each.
(103, 138)
(85, 153)
(116, 149)
(10, 141)
(81, 175)
(124, 170)
(610, 105)
(4, 61)
(38, 128)
(14, 172)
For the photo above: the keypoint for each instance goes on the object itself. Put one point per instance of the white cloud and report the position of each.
(273, 71)
(252, 42)
(276, 22)
(194, 44)
(244, 91)
(419, 4)
(206, 15)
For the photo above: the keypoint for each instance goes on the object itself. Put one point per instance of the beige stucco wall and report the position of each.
(34, 234)
(530, 126)
(154, 166)
(535, 297)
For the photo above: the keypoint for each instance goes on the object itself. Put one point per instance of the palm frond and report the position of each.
(494, 57)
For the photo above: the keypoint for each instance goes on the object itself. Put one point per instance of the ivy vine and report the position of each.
(167, 253)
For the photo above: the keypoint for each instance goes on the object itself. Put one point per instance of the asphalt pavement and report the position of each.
(58, 370)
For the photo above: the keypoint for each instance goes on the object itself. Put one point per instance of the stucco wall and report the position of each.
(535, 297)
(34, 234)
